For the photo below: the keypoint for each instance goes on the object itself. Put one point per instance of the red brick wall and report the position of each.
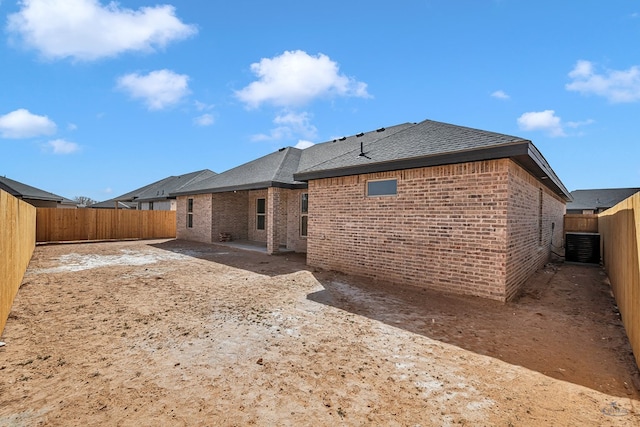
(235, 213)
(253, 233)
(293, 239)
(446, 229)
(230, 215)
(201, 230)
(529, 228)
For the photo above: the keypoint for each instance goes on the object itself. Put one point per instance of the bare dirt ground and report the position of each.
(180, 333)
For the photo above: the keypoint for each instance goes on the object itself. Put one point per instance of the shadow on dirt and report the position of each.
(565, 324)
(254, 261)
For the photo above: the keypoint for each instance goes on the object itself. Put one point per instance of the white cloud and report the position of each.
(201, 106)
(545, 121)
(296, 78)
(302, 144)
(158, 89)
(22, 124)
(204, 120)
(88, 30)
(72, 126)
(60, 146)
(289, 125)
(580, 123)
(616, 86)
(500, 94)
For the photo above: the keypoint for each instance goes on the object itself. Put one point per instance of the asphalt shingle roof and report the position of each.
(319, 154)
(427, 138)
(24, 191)
(163, 188)
(599, 198)
(398, 147)
(275, 169)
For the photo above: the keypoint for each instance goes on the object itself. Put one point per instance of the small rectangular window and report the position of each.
(540, 214)
(189, 213)
(304, 214)
(261, 211)
(387, 187)
(150, 206)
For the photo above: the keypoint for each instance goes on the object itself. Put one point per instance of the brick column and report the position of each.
(273, 208)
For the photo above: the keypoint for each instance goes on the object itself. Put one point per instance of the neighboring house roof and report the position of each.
(161, 190)
(405, 146)
(24, 191)
(111, 204)
(599, 199)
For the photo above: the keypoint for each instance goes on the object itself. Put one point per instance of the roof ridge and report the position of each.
(289, 151)
(195, 177)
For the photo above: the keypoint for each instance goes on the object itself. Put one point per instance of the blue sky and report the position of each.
(98, 98)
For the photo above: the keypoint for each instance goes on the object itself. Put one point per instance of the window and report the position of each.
(387, 187)
(304, 214)
(150, 206)
(261, 211)
(189, 213)
(540, 218)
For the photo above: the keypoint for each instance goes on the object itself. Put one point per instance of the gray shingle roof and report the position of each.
(24, 191)
(599, 198)
(162, 189)
(425, 139)
(273, 170)
(404, 146)
(111, 204)
(319, 154)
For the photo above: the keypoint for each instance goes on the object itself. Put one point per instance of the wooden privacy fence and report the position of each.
(17, 241)
(620, 233)
(63, 225)
(580, 223)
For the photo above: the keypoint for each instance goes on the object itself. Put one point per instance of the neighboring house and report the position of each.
(34, 196)
(429, 204)
(155, 196)
(596, 201)
(114, 204)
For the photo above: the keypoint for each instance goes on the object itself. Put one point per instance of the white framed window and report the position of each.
(304, 214)
(382, 187)
(261, 214)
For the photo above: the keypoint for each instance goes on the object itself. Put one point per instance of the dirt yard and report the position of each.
(178, 333)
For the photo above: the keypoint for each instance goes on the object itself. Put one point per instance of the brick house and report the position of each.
(155, 196)
(429, 204)
(258, 201)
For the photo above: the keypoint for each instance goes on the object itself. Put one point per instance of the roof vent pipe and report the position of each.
(361, 150)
